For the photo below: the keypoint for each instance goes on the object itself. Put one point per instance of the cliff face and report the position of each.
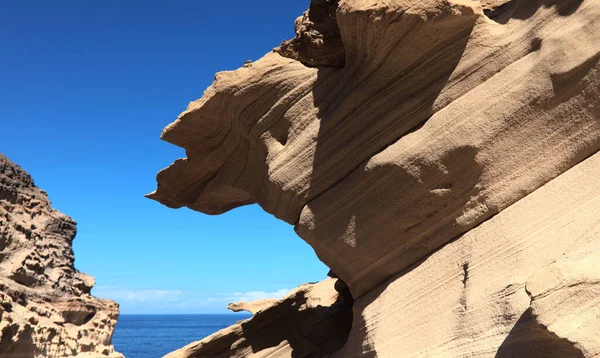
(46, 309)
(426, 150)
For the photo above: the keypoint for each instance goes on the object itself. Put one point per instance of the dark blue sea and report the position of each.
(152, 336)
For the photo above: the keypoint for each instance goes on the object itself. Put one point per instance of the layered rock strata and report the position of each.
(46, 309)
(438, 120)
(523, 284)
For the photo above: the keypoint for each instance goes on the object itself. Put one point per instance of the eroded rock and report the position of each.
(318, 41)
(471, 298)
(311, 321)
(439, 119)
(565, 300)
(444, 116)
(46, 309)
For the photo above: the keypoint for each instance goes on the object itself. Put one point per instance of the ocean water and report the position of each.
(153, 336)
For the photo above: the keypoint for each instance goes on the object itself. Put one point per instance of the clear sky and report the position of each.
(85, 90)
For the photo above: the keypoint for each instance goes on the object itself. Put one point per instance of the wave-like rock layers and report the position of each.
(523, 284)
(387, 129)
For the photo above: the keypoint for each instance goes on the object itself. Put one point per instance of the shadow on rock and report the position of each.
(528, 338)
(311, 332)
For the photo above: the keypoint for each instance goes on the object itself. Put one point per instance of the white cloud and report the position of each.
(160, 300)
(120, 295)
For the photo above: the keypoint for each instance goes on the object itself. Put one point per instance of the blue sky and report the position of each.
(85, 90)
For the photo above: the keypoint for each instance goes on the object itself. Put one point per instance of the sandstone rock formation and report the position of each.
(427, 165)
(46, 309)
(521, 284)
(311, 321)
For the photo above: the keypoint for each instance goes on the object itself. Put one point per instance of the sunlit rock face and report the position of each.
(391, 132)
(46, 309)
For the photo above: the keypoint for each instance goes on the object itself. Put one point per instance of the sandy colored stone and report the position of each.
(46, 309)
(313, 320)
(503, 289)
(437, 170)
(565, 299)
(252, 307)
(440, 118)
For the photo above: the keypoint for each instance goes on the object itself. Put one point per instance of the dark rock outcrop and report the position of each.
(313, 320)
